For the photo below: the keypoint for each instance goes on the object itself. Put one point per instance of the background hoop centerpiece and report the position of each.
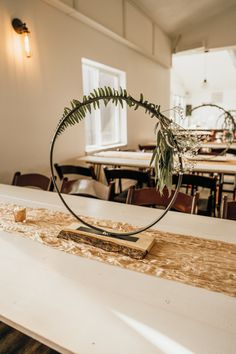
(228, 125)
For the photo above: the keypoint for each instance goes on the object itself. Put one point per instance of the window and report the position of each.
(105, 127)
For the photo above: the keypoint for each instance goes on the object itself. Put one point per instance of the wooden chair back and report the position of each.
(88, 188)
(63, 170)
(149, 147)
(229, 209)
(210, 151)
(193, 182)
(141, 177)
(34, 180)
(153, 198)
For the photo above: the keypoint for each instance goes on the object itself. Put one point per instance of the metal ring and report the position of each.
(109, 233)
(229, 115)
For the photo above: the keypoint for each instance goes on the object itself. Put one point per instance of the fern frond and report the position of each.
(162, 157)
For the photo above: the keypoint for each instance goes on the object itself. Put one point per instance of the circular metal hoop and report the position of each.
(98, 229)
(228, 115)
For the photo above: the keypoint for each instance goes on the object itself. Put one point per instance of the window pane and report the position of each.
(109, 126)
(90, 77)
(110, 113)
(105, 126)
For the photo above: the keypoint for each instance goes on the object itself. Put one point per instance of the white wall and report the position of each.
(34, 91)
(208, 117)
(125, 19)
(103, 12)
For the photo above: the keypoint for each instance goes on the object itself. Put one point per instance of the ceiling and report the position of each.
(219, 68)
(174, 16)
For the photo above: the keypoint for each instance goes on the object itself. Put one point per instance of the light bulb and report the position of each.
(27, 44)
(204, 84)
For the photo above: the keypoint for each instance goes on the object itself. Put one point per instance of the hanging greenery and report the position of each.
(168, 142)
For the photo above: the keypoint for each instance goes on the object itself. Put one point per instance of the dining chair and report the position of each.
(33, 180)
(231, 151)
(229, 209)
(63, 170)
(207, 188)
(229, 184)
(210, 151)
(148, 147)
(88, 188)
(121, 175)
(151, 197)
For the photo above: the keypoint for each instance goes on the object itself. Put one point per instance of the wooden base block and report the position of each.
(136, 247)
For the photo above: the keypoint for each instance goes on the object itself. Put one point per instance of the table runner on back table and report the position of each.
(191, 260)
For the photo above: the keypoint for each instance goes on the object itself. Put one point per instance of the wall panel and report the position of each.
(109, 13)
(162, 47)
(138, 28)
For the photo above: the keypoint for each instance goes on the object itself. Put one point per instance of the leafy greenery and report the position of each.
(166, 142)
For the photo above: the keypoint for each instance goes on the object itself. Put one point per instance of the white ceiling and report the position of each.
(174, 16)
(219, 68)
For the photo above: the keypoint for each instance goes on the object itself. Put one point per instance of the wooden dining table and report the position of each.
(209, 164)
(78, 305)
(219, 145)
(208, 144)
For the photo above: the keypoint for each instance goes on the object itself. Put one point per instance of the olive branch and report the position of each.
(166, 142)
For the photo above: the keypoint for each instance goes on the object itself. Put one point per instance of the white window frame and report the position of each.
(121, 113)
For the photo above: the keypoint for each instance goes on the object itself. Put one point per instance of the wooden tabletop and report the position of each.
(142, 160)
(210, 144)
(213, 145)
(76, 305)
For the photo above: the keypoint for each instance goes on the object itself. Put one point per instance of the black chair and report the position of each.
(229, 209)
(192, 182)
(148, 147)
(231, 151)
(142, 178)
(34, 180)
(88, 188)
(228, 184)
(210, 151)
(151, 197)
(63, 170)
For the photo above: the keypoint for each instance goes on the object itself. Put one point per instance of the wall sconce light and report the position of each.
(21, 28)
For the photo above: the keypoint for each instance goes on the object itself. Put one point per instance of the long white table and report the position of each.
(213, 145)
(210, 144)
(142, 160)
(76, 305)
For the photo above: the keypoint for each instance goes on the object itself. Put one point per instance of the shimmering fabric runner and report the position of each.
(191, 260)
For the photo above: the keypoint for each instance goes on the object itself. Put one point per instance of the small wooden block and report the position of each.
(137, 249)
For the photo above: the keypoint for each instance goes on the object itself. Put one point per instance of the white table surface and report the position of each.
(129, 159)
(77, 305)
(213, 145)
(210, 144)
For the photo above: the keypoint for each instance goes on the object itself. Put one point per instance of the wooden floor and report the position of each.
(15, 342)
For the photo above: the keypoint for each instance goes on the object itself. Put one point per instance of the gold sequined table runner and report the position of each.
(191, 260)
